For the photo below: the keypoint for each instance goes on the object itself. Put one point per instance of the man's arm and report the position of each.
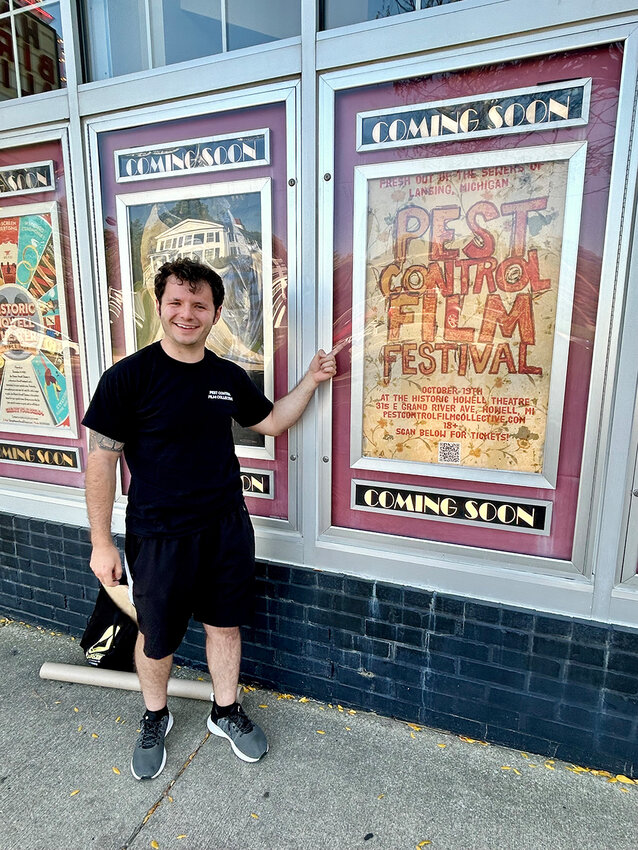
(288, 409)
(101, 466)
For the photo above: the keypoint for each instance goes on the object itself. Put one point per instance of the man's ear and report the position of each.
(158, 307)
(217, 315)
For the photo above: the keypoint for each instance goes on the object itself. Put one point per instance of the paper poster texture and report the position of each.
(34, 348)
(462, 273)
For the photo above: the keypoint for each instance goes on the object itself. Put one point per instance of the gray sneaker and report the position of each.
(246, 738)
(149, 755)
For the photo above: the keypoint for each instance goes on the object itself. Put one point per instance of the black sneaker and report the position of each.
(246, 738)
(149, 756)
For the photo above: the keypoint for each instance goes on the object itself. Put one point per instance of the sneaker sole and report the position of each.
(212, 727)
(161, 768)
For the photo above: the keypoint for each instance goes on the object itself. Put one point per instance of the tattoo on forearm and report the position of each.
(99, 441)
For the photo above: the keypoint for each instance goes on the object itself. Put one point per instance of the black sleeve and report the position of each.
(252, 405)
(111, 409)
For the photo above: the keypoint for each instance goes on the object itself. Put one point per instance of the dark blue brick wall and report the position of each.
(548, 684)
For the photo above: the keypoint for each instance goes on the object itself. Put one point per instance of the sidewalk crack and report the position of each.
(165, 793)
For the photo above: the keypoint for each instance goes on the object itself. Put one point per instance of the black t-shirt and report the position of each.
(174, 419)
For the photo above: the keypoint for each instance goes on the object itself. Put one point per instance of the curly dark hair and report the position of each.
(193, 273)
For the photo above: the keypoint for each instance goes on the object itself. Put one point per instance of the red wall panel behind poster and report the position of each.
(41, 396)
(164, 212)
(603, 66)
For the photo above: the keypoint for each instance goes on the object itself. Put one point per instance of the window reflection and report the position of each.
(185, 29)
(35, 38)
(115, 41)
(253, 22)
(8, 87)
(337, 13)
(40, 50)
(125, 36)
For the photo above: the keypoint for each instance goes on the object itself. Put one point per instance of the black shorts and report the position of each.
(208, 575)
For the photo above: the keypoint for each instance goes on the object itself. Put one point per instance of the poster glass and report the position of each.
(470, 210)
(457, 319)
(225, 226)
(35, 389)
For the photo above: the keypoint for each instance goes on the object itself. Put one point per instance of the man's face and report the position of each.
(186, 316)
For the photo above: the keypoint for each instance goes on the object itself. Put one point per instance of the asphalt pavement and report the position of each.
(334, 777)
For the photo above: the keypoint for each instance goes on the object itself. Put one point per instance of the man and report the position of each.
(189, 540)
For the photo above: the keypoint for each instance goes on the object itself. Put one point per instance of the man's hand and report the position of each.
(106, 564)
(324, 366)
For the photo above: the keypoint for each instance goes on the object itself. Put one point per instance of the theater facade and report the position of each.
(450, 535)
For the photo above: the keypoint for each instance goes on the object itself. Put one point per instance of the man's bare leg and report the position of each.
(223, 653)
(153, 674)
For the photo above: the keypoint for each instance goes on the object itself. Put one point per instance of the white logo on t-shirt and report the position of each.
(219, 395)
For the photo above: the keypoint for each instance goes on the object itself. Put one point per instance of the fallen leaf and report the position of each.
(263, 705)
(303, 699)
(506, 767)
(320, 732)
(442, 746)
(75, 709)
(613, 779)
(351, 711)
(468, 740)
(549, 766)
(115, 770)
(154, 845)
(517, 772)
(93, 735)
(184, 835)
(79, 728)
(340, 707)
(348, 729)
(525, 756)
(423, 843)
(412, 735)
(200, 678)
(253, 815)
(601, 773)
(285, 696)
(415, 727)
(380, 796)
(117, 719)
(170, 799)
(625, 779)
(73, 793)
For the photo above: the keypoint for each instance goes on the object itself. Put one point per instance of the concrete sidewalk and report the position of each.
(332, 779)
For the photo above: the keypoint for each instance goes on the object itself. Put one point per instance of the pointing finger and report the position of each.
(340, 345)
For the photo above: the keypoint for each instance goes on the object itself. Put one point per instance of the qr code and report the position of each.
(449, 452)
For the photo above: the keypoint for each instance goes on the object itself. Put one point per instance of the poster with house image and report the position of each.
(226, 226)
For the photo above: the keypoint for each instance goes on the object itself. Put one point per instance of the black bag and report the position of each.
(109, 638)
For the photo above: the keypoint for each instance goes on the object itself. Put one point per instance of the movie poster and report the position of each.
(226, 228)
(36, 393)
(461, 305)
